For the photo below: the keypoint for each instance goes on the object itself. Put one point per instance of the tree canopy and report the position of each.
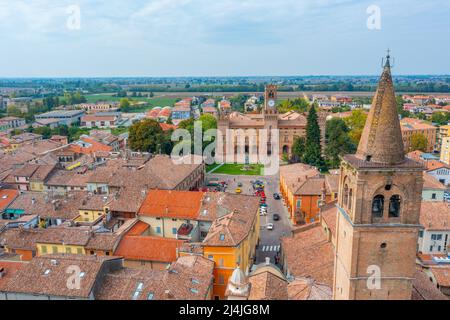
(148, 136)
(418, 142)
(313, 149)
(356, 123)
(338, 142)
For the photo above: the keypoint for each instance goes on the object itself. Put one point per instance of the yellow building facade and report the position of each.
(45, 248)
(226, 258)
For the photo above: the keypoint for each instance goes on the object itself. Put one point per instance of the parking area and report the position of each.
(269, 239)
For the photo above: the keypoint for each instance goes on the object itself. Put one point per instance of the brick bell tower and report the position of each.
(378, 209)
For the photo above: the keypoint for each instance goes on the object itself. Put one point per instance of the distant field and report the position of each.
(156, 101)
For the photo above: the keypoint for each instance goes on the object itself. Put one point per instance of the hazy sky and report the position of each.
(221, 37)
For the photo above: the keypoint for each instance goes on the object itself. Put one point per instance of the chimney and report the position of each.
(2, 272)
(33, 201)
(168, 294)
(267, 261)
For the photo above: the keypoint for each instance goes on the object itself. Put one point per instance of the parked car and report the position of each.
(270, 226)
(238, 190)
(240, 184)
(276, 196)
(276, 217)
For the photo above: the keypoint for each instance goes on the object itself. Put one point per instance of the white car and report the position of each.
(270, 226)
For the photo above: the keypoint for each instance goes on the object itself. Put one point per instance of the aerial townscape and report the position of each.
(224, 158)
(361, 189)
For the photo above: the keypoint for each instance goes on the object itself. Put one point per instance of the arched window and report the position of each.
(350, 200)
(394, 206)
(346, 195)
(378, 206)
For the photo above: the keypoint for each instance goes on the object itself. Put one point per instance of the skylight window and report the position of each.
(82, 274)
(150, 296)
(47, 272)
(138, 291)
(194, 291)
(222, 237)
(195, 281)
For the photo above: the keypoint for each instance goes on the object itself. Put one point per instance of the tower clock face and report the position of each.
(271, 103)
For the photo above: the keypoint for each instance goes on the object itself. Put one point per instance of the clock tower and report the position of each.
(270, 98)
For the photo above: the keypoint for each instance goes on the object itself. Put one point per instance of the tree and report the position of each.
(208, 122)
(418, 142)
(299, 105)
(313, 153)
(298, 149)
(14, 111)
(124, 104)
(45, 131)
(356, 123)
(338, 142)
(440, 118)
(147, 136)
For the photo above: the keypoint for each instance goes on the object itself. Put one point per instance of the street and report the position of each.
(269, 239)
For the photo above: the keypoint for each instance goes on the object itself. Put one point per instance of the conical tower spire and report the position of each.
(381, 140)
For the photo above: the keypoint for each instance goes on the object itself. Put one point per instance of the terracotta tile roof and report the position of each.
(103, 241)
(267, 285)
(65, 235)
(435, 164)
(57, 207)
(74, 178)
(6, 197)
(22, 239)
(95, 202)
(218, 204)
(47, 276)
(10, 268)
(415, 124)
(145, 248)
(167, 127)
(332, 181)
(93, 146)
(296, 174)
(42, 172)
(430, 182)
(26, 171)
(309, 254)
(127, 200)
(415, 155)
(424, 289)
(442, 275)
(232, 228)
(170, 173)
(312, 186)
(435, 215)
(138, 229)
(329, 215)
(189, 278)
(172, 204)
(308, 289)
